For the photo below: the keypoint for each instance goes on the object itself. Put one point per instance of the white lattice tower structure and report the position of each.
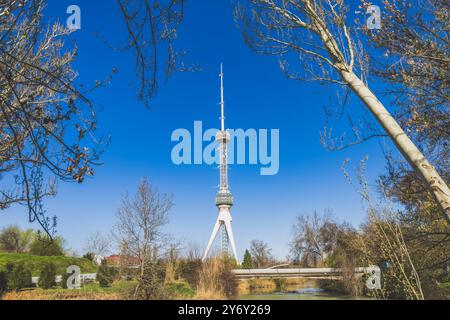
(224, 199)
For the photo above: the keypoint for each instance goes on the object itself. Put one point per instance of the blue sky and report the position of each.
(257, 96)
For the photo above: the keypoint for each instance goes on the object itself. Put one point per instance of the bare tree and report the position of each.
(384, 238)
(46, 124)
(314, 239)
(140, 235)
(413, 49)
(326, 49)
(98, 244)
(261, 253)
(193, 252)
(152, 30)
(413, 59)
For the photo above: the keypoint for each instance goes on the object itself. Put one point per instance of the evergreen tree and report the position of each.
(104, 275)
(47, 276)
(18, 276)
(3, 282)
(247, 263)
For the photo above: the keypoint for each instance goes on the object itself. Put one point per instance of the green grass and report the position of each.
(35, 263)
(181, 289)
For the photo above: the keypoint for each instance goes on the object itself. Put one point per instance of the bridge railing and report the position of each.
(287, 272)
(373, 280)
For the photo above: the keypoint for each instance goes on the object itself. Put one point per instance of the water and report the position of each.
(300, 294)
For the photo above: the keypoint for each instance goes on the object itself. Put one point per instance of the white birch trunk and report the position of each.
(412, 154)
(318, 24)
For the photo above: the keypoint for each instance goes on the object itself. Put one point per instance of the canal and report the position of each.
(300, 294)
(288, 289)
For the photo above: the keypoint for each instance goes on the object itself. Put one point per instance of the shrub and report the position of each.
(18, 276)
(105, 275)
(64, 278)
(47, 276)
(3, 281)
(44, 246)
(9, 267)
(189, 271)
(89, 256)
(151, 283)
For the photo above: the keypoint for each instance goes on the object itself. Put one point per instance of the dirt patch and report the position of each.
(73, 295)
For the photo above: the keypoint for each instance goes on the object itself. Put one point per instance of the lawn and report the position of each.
(35, 263)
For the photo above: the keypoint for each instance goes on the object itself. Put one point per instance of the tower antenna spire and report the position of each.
(222, 103)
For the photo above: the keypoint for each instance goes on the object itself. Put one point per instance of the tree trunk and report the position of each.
(434, 182)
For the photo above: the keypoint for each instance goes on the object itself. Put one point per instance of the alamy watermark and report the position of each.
(373, 280)
(74, 280)
(73, 22)
(374, 19)
(251, 146)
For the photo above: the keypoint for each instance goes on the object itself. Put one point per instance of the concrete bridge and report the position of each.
(317, 273)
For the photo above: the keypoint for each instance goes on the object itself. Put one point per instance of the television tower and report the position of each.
(224, 199)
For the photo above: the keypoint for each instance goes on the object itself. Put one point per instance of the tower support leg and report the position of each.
(231, 238)
(212, 238)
